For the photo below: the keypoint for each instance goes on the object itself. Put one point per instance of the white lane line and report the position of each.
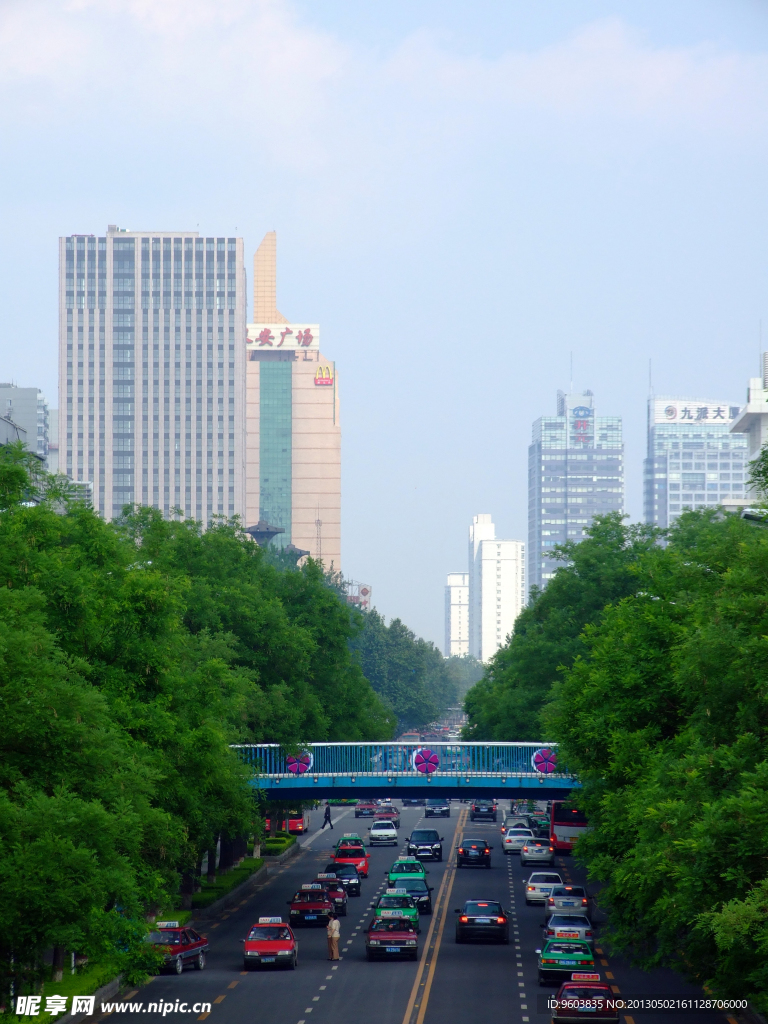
(308, 843)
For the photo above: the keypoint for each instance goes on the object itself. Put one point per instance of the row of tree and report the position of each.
(410, 674)
(647, 661)
(132, 654)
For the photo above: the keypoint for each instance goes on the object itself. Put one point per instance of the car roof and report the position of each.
(473, 839)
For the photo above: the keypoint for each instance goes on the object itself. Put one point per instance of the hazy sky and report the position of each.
(464, 193)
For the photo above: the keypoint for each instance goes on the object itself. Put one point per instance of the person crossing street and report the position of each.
(327, 816)
(333, 931)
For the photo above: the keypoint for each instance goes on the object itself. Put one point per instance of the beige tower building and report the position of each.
(293, 436)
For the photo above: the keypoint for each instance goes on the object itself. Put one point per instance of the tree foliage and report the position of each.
(132, 655)
(409, 674)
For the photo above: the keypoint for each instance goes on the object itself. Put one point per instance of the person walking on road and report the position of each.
(327, 816)
(333, 930)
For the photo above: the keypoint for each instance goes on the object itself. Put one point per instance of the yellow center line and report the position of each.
(219, 999)
(417, 982)
(233, 984)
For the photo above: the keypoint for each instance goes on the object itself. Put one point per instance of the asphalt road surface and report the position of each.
(471, 982)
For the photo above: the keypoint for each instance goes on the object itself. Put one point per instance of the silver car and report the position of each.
(537, 851)
(540, 885)
(515, 821)
(570, 900)
(515, 839)
(570, 926)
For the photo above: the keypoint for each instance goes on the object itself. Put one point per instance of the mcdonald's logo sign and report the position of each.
(323, 376)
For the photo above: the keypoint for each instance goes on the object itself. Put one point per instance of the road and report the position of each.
(450, 983)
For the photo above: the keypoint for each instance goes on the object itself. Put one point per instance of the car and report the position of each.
(584, 996)
(515, 839)
(426, 842)
(537, 851)
(353, 852)
(388, 813)
(437, 808)
(412, 801)
(567, 899)
(418, 889)
(482, 919)
(270, 941)
(181, 947)
(561, 957)
(347, 875)
(350, 837)
(484, 810)
(365, 810)
(539, 885)
(405, 867)
(312, 903)
(382, 833)
(396, 903)
(335, 889)
(516, 821)
(473, 851)
(570, 926)
(389, 937)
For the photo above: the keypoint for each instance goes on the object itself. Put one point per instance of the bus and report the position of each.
(297, 823)
(566, 824)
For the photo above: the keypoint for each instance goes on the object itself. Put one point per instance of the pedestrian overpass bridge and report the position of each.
(458, 770)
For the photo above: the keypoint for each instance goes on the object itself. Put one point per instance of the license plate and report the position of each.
(393, 949)
(567, 903)
(587, 1009)
(568, 963)
(310, 917)
(482, 920)
(567, 935)
(473, 853)
(268, 959)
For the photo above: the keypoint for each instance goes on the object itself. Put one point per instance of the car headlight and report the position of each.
(373, 942)
(284, 952)
(251, 952)
(411, 942)
(294, 911)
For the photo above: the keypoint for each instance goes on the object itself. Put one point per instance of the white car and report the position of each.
(382, 833)
(540, 885)
(515, 839)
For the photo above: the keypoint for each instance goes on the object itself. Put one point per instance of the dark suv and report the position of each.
(473, 851)
(483, 810)
(437, 808)
(425, 842)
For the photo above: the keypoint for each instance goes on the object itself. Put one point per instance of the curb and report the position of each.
(292, 851)
(105, 992)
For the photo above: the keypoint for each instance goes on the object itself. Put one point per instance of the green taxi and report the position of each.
(560, 958)
(396, 903)
(350, 837)
(405, 867)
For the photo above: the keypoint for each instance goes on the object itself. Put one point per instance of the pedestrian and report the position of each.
(333, 930)
(327, 816)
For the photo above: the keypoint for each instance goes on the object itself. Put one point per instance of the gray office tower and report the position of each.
(28, 408)
(693, 460)
(152, 370)
(575, 472)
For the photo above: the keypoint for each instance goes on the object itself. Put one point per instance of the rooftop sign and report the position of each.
(290, 337)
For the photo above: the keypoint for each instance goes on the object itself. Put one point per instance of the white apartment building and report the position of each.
(751, 423)
(152, 370)
(456, 615)
(496, 587)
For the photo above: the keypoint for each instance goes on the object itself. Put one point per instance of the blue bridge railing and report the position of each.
(333, 766)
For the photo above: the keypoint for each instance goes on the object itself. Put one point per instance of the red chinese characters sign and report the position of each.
(287, 337)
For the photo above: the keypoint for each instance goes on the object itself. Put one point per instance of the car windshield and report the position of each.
(585, 992)
(413, 884)
(539, 842)
(342, 870)
(543, 879)
(478, 909)
(568, 947)
(425, 835)
(318, 896)
(350, 851)
(473, 843)
(267, 934)
(400, 868)
(562, 921)
(395, 902)
(382, 826)
(436, 803)
(165, 938)
(520, 832)
(390, 924)
(568, 890)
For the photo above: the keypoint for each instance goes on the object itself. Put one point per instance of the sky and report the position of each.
(466, 196)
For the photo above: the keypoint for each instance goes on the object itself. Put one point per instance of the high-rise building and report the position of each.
(575, 472)
(693, 459)
(456, 615)
(293, 460)
(53, 440)
(752, 421)
(29, 408)
(151, 370)
(496, 587)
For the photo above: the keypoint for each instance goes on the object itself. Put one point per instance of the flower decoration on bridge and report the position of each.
(544, 760)
(425, 761)
(300, 764)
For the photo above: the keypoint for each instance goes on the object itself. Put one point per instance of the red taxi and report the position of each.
(388, 814)
(365, 810)
(584, 995)
(181, 947)
(335, 890)
(270, 941)
(352, 851)
(311, 904)
(389, 937)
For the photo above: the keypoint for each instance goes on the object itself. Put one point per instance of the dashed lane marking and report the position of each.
(219, 999)
(233, 984)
